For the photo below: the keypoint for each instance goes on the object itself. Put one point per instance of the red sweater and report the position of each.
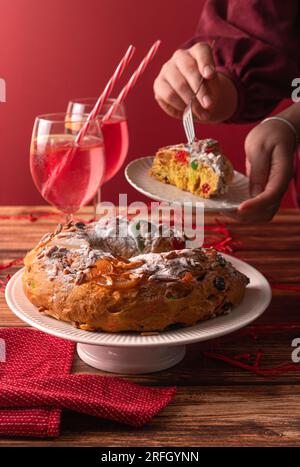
(257, 46)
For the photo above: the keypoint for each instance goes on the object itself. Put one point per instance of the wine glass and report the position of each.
(115, 134)
(67, 173)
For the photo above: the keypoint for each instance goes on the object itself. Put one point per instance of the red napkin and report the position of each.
(35, 384)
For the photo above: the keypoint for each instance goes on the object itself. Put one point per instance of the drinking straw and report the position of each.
(2, 90)
(99, 104)
(107, 91)
(132, 81)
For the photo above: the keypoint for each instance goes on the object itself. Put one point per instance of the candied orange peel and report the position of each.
(188, 277)
(116, 274)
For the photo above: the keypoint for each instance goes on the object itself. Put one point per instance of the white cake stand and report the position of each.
(130, 353)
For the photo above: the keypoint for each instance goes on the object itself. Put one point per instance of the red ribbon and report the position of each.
(225, 244)
(252, 362)
(255, 367)
(12, 263)
(4, 282)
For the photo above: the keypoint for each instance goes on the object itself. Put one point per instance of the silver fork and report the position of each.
(187, 117)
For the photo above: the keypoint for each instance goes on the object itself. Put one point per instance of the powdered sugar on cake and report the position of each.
(206, 151)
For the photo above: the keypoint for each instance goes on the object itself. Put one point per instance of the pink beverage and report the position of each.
(77, 182)
(116, 141)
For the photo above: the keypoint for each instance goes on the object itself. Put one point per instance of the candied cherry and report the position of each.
(205, 188)
(181, 156)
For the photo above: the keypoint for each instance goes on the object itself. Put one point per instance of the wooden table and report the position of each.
(216, 404)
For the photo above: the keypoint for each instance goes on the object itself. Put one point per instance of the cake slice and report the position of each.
(199, 167)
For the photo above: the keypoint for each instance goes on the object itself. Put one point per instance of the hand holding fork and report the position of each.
(179, 78)
(187, 117)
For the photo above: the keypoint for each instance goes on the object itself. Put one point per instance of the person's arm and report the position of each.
(270, 148)
(292, 114)
(255, 57)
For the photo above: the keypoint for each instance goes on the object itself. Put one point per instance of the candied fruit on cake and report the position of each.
(199, 167)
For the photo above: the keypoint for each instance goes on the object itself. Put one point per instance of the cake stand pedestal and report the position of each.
(130, 360)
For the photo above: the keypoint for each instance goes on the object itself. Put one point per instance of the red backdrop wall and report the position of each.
(53, 50)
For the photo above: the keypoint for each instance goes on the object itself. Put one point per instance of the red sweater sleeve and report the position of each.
(257, 44)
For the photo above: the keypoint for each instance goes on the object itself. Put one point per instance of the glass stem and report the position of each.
(69, 218)
(96, 203)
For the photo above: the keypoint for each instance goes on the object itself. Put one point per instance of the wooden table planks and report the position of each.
(216, 404)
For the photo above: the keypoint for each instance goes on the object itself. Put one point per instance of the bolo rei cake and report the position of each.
(199, 167)
(144, 281)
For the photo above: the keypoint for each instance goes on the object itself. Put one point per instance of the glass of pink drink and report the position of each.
(66, 173)
(115, 134)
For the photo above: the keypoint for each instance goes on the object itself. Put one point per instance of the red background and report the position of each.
(54, 50)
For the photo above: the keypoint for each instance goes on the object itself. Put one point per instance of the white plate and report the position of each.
(132, 353)
(137, 174)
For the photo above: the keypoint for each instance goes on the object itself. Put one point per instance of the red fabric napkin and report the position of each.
(35, 384)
